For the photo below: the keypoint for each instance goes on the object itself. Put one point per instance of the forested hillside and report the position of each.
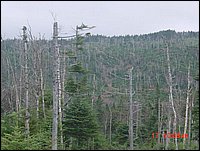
(98, 92)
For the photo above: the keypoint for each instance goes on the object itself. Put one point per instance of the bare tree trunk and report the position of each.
(93, 90)
(56, 82)
(61, 102)
(41, 83)
(20, 84)
(161, 120)
(63, 78)
(171, 95)
(168, 131)
(60, 123)
(137, 120)
(60, 112)
(42, 92)
(37, 105)
(35, 68)
(187, 105)
(110, 135)
(27, 117)
(105, 126)
(131, 111)
(159, 127)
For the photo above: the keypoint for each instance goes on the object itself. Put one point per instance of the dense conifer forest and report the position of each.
(95, 92)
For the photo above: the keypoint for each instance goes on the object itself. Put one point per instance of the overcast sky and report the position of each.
(109, 17)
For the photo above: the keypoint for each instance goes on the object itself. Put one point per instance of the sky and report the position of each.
(110, 17)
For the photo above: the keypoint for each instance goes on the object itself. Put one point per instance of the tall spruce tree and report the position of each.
(80, 122)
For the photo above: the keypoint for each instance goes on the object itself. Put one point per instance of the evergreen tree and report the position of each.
(80, 122)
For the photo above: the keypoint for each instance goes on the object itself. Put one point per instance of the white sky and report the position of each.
(109, 17)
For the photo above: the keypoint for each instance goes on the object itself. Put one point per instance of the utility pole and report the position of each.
(27, 116)
(131, 111)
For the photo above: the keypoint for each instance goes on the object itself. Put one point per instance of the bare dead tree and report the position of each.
(94, 87)
(171, 94)
(56, 82)
(131, 111)
(27, 116)
(110, 127)
(187, 106)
